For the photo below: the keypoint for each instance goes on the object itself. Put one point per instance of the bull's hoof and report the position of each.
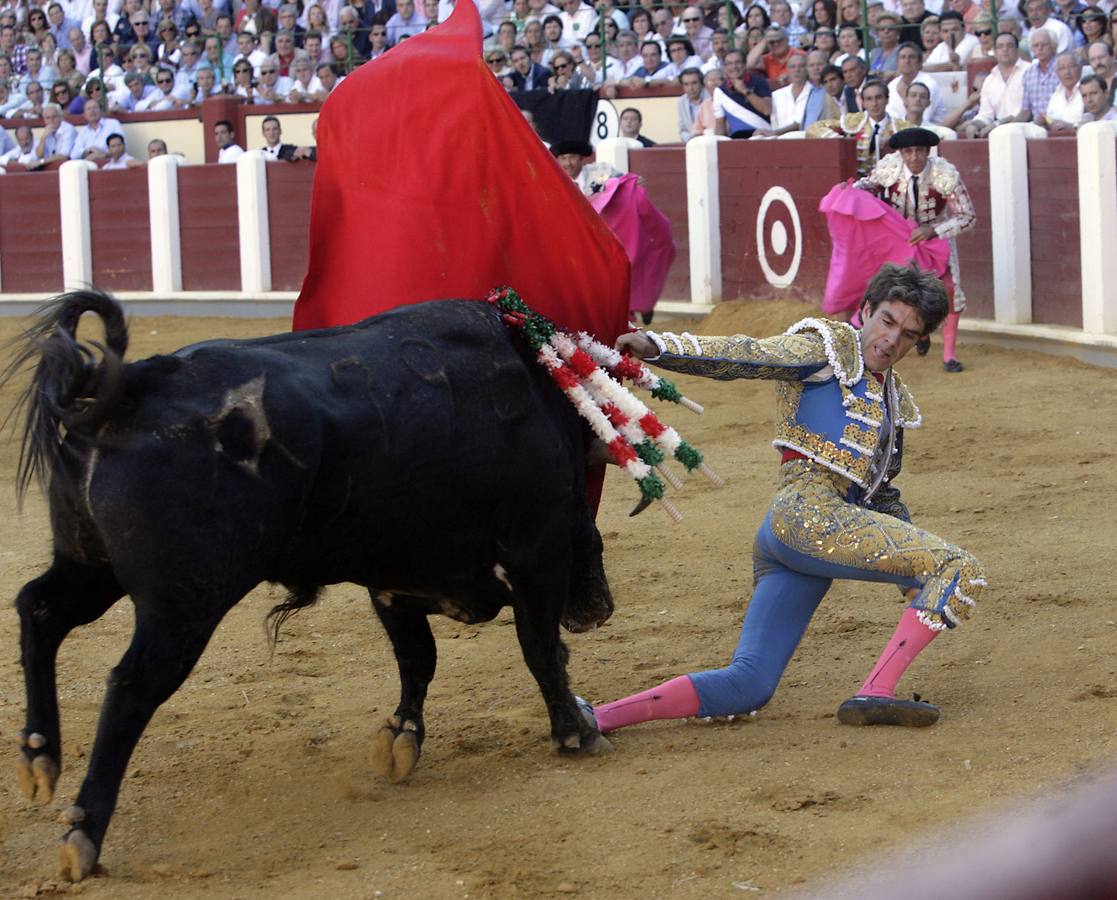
(77, 856)
(594, 744)
(395, 750)
(38, 772)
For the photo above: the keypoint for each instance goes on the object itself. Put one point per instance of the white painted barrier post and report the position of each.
(614, 151)
(704, 218)
(1097, 222)
(77, 235)
(166, 235)
(252, 216)
(1009, 220)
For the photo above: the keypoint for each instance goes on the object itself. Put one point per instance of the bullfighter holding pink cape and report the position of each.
(867, 232)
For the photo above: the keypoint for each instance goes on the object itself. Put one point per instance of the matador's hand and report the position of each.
(922, 233)
(638, 344)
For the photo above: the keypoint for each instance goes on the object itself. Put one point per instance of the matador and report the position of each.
(841, 416)
(929, 191)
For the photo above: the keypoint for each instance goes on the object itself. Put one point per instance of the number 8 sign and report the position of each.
(606, 122)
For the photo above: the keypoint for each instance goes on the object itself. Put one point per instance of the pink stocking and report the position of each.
(950, 335)
(674, 699)
(910, 638)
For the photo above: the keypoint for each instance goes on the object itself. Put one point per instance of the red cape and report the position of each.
(430, 184)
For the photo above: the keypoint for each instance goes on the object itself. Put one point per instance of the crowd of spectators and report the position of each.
(769, 65)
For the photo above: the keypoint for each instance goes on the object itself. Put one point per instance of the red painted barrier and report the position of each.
(975, 247)
(120, 229)
(289, 186)
(774, 188)
(664, 170)
(1056, 260)
(30, 234)
(207, 214)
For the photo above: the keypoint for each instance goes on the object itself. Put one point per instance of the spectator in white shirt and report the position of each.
(205, 86)
(578, 19)
(956, 47)
(1039, 16)
(166, 96)
(1095, 100)
(92, 140)
(118, 157)
(132, 94)
(1064, 110)
(305, 86)
(407, 22)
(1002, 95)
(247, 49)
(24, 151)
(228, 151)
(910, 62)
(272, 87)
(56, 140)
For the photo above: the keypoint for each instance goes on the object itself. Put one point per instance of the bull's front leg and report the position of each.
(537, 612)
(64, 597)
(396, 747)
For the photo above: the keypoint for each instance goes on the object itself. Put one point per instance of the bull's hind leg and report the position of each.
(169, 637)
(64, 597)
(537, 606)
(396, 747)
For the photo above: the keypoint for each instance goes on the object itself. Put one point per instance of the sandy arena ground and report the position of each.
(253, 780)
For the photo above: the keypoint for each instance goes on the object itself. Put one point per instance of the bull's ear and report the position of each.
(644, 503)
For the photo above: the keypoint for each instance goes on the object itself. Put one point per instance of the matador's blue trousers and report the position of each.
(811, 535)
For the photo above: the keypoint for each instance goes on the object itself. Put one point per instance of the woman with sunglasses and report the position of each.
(497, 61)
(168, 53)
(94, 92)
(63, 95)
(37, 25)
(566, 77)
(985, 30)
(244, 84)
(1092, 25)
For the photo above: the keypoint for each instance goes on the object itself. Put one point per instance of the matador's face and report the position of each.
(888, 333)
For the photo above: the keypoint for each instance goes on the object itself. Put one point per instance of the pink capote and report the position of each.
(866, 233)
(645, 233)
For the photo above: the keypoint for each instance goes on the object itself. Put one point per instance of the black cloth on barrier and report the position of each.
(561, 116)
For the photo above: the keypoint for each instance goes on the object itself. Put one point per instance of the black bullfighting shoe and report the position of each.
(888, 711)
(953, 365)
(586, 709)
(923, 345)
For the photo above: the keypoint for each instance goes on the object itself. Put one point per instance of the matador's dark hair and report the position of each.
(910, 285)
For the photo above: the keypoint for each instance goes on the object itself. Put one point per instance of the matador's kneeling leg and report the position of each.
(876, 702)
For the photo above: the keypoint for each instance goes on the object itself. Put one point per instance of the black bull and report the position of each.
(421, 454)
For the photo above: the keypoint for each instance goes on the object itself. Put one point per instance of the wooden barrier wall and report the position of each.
(207, 214)
(289, 188)
(1056, 259)
(780, 183)
(664, 170)
(30, 234)
(975, 247)
(120, 229)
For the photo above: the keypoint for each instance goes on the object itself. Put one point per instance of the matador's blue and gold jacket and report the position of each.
(828, 407)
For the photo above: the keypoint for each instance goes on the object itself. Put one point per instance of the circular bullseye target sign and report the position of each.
(779, 237)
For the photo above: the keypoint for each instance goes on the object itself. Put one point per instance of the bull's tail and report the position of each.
(74, 386)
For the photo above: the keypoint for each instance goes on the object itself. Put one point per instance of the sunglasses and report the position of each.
(163, 80)
(592, 46)
(985, 32)
(692, 19)
(558, 67)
